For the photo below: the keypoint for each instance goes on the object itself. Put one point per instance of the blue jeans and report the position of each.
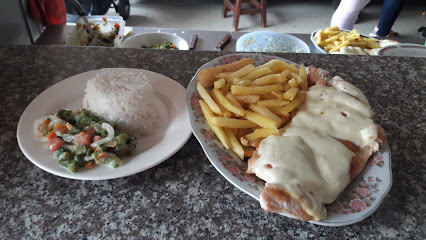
(390, 12)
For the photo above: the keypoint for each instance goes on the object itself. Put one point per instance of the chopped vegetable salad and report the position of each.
(78, 139)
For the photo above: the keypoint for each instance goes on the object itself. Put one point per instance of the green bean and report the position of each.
(89, 152)
(58, 153)
(94, 118)
(65, 156)
(64, 114)
(73, 131)
(85, 121)
(70, 165)
(80, 149)
(122, 138)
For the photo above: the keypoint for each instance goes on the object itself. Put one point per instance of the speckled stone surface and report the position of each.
(185, 197)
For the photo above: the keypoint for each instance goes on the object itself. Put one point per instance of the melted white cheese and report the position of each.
(307, 160)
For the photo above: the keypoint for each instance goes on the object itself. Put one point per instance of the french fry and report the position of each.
(207, 76)
(293, 83)
(244, 83)
(225, 112)
(265, 80)
(232, 122)
(239, 90)
(209, 100)
(295, 103)
(258, 134)
(227, 104)
(248, 98)
(272, 103)
(235, 145)
(218, 84)
(243, 71)
(267, 113)
(304, 76)
(285, 73)
(259, 72)
(277, 111)
(291, 94)
(278, 95)
(220, 134)
(233, 100)
(260, 120)
(286, 86)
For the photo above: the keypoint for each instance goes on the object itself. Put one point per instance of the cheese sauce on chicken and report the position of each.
(308, 160)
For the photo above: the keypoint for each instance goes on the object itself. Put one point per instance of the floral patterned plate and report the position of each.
(359, 200)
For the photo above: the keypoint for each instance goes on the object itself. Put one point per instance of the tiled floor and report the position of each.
(288, 16)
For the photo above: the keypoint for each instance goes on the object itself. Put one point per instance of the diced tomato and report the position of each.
(102, 155)
(51, 135)
(90, 130)
(116, 25)
(82, 138)
(55, 143)
(89, 165)
(96, 138)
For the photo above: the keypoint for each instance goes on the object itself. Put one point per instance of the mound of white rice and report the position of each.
(125, 99)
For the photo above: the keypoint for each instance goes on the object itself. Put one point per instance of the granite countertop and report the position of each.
(185, 197)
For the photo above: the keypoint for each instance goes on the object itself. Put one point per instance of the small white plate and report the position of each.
(403, 50)
(359, 200)
(173, 133)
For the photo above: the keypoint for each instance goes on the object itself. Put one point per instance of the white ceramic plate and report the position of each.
(403, 49)
(151, 150)
(357, 202)
(154, 38)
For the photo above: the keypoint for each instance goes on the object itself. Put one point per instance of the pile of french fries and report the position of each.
(244, 104)
(333, 39)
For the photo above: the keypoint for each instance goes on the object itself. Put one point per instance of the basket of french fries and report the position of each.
(339, 41)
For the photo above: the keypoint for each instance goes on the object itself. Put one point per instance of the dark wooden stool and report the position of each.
(255, 6)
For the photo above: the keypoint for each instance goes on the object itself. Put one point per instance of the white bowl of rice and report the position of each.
(126, 99)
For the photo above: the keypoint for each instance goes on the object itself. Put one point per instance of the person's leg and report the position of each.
(390, 12)
(346, 14)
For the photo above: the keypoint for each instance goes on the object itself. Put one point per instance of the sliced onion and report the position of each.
(110, 137)
(70, 147)
(88, 158)
(54, 120)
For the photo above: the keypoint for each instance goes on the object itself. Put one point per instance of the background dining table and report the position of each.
(185, 197)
